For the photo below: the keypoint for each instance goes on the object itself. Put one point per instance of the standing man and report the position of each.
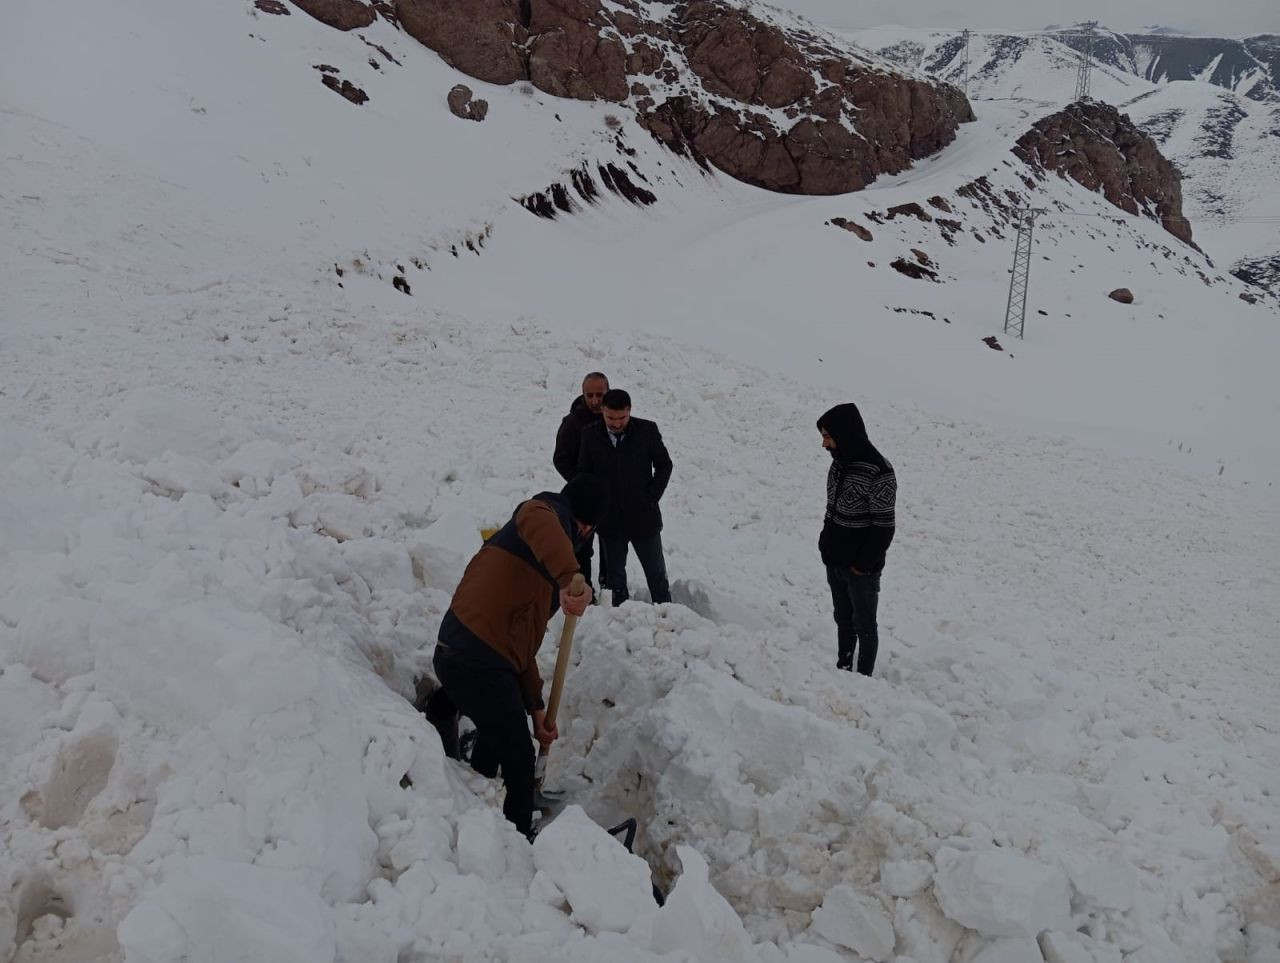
(629, 456)
(486, 656)
(857, 530)
(583, 413)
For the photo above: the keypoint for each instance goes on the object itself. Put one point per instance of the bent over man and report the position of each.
(859, 524)
(486, 656)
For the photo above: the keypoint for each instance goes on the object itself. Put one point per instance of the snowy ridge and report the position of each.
(1222, 140)
(240, 485)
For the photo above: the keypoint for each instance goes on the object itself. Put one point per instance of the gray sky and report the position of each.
(1230, 18)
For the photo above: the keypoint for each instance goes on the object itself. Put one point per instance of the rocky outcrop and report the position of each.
(1123, 295)
(462, 105)
(776, 106)
(339, 14)
(1100, 148)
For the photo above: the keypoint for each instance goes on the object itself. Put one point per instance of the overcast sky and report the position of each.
(1230, 18)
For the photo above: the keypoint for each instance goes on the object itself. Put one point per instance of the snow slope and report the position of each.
(239, 487)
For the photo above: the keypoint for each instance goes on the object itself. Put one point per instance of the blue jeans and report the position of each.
(613, 557)
(855, 598)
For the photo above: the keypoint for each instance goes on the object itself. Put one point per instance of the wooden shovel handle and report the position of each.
(576, 588)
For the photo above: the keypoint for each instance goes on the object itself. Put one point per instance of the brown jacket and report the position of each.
(507, 596)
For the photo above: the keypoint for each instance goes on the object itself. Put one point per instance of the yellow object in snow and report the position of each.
(488, 533)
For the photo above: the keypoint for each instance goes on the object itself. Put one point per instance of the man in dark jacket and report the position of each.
(628, 455)
(584, 412)
(486, 656)
(859, 525)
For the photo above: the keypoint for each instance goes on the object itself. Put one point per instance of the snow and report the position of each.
(238, 496)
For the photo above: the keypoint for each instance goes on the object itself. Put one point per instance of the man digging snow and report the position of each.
(486, 656)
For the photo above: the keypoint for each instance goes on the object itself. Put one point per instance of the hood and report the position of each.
(844, 424)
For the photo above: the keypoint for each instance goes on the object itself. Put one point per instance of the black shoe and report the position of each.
(846, 664)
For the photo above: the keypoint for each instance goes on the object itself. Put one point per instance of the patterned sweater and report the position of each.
(859, 523)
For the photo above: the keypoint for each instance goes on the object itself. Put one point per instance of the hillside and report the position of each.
(273, 355)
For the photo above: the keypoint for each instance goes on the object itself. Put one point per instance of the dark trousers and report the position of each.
(584, 552)
(855, 599)
(613, 550)
(489, 697)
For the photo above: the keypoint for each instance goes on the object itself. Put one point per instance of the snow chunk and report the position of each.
(698, 920)
(1010, 951)
(53, 639)
(608, 888)
(231, 911)
(851, 919)
(1076, 948)
(905, 878)
(1106, 883)
(1001, 893)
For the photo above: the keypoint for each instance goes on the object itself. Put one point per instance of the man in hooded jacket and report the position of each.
(583, 413)
(486, 654)
(859, 524)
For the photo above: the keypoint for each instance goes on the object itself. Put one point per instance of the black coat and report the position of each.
(636, 471)
(569, 437)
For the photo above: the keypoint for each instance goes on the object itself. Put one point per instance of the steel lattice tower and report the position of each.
(966, 62)
(1086, 61)
(1015, 312)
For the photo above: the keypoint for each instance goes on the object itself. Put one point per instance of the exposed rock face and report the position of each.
(852, 227)
(784, 109)
(340, 14)
(463, 106)
(1123, 295)
(1100, 148)
(482, 38)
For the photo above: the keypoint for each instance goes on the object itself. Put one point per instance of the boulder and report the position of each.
(1123, 295)
(461, 104)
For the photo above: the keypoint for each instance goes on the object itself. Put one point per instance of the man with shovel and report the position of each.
(486, 656)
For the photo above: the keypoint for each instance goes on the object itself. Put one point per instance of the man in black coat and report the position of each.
(861, 494)
(584, 412)
(628, 454)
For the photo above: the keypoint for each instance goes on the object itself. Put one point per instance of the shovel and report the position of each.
(550, 801)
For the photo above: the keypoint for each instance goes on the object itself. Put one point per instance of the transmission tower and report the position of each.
(1086, 60)
(966, 62)
(1015, 312)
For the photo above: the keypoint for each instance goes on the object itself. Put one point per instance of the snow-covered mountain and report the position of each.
(1211, 105)
(282, 332)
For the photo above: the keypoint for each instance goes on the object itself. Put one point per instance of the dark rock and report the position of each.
(463, 106)
(913, 270)
(909, 210)
(346, 88)
(272, 6)
(940, 203)
(921, 257)
(1099, 147)
(991, 342)
(852, 227)
(339, 14)
(1123, 295)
